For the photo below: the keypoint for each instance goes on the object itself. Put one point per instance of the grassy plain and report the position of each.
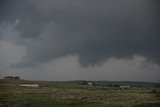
(54, 94)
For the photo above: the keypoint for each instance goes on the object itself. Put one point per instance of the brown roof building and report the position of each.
(11, 78)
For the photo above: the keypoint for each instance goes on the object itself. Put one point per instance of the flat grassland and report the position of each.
(59, 94)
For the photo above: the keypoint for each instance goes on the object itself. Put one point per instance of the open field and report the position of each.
(52, 94)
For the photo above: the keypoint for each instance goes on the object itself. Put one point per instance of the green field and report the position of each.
(54, 94)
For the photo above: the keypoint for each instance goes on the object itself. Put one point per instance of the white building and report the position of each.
(125, 86)
(89, 83)
(29, 85)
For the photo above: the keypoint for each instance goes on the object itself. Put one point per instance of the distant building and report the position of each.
(90, 83)
(125, 86)
(11, 78)
(29, 85)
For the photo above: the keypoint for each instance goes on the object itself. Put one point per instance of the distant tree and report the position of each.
(115, 85)
(84, 83)
(110, 85)
(157, 86)
(154, 91)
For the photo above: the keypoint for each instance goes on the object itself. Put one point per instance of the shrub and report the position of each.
(84, 83)
(154, 91)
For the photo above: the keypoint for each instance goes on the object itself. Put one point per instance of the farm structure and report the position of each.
(125, 86)
(11, 78)
(29, 85)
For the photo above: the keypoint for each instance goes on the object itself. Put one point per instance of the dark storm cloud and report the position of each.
(93, 30)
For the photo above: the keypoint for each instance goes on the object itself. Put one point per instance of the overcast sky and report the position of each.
(116, 40)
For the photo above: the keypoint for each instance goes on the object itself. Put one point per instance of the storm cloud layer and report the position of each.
(94, 31)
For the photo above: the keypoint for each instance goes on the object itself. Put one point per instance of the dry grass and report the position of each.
(64, 95)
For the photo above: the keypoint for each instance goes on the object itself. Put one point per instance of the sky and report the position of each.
(63, 40)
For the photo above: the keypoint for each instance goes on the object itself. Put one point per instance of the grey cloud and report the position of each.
(92, 30)
(68, 68)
